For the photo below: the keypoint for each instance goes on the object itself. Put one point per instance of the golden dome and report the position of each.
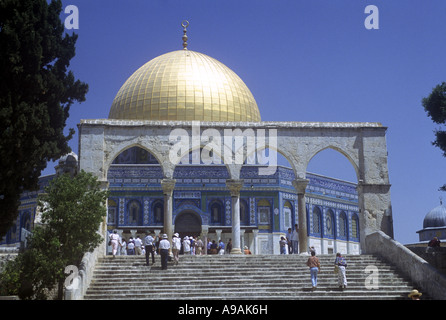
(184, 85)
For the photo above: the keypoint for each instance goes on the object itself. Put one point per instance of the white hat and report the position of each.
(415, 293)
(164, 236)
(176, 235)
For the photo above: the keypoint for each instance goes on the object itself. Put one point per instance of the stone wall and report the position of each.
(81, 282)
(428, 279)
(435, 256)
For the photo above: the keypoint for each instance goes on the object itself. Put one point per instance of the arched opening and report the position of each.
(332, 163)
(188, 223)
(216, 211)
(136, 198)
(343, 225)
(315, 222)
(333, 181)
(268, 171)
(135, 155)
(158, 212)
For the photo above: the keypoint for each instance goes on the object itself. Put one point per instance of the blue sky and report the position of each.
(303, 61)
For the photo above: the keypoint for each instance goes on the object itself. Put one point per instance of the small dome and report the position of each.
(184, 85)
(435, 218)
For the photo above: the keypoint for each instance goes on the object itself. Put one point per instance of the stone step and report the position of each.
(317, 294)
(241, 277)
(269, 286)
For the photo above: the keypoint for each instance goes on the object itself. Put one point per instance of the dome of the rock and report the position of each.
(184, 85)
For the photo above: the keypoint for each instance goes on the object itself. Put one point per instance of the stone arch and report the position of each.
(110, 156)
(364, 145)
(340, 151)
(282, 151)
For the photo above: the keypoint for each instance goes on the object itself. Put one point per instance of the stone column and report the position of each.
(204, 233)
(255, 233)
(242, 240)
(218, 233)
(168, 185)
(300, 185)
(234, 187)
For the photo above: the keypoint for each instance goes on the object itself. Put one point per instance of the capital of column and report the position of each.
(168, 185)
(234, 186)
(104, 184)
(300, 185)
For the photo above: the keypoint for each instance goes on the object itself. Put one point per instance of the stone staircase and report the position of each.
(253, 277)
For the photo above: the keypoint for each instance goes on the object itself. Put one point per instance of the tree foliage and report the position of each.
(72, 211)
(36, 92)
(435, 106)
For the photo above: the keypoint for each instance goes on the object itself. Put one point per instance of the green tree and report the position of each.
(72, 211)
(36, 93)
(435, 106)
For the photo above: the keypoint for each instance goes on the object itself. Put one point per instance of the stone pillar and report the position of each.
(234, 187)
(204, 233)
(300, 185)
(218, 233)
(255, 233)
(375, 211)
(168, 185)
(242, 240)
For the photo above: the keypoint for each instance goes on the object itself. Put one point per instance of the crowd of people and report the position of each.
(152, 245)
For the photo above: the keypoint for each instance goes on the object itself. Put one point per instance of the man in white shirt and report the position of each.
(148, 243)
(164, 251)
(138, 244)
(186, 245)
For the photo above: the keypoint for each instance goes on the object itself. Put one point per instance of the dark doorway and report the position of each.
(188, 223)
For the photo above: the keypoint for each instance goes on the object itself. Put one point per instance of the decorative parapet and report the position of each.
(262, 124)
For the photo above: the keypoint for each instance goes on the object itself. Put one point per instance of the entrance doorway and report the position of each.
(188, 223)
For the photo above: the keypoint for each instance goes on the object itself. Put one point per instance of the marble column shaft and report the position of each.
(300, 185)
(168, 185)
(234, 187)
